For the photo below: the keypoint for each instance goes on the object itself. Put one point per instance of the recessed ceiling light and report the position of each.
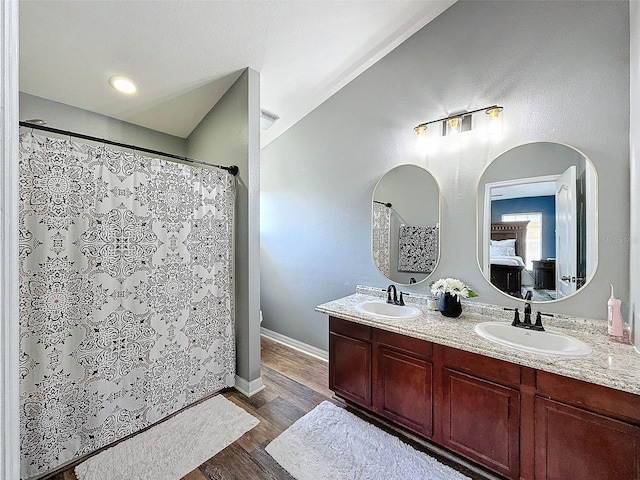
(123, 84)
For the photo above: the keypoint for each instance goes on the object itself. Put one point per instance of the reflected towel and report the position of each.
(417, 249)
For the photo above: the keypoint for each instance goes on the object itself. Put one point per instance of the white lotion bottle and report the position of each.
(614, 319)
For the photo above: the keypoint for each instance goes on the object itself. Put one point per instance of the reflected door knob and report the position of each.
(565, 278)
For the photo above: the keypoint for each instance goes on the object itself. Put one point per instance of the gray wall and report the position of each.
(230, 135)
(66, 117)
(561, 71)
(634, 299)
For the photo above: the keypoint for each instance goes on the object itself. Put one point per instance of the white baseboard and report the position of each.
(248, 388)
(295, 344)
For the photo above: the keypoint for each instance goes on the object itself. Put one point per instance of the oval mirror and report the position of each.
(537, 221)
(405, 224)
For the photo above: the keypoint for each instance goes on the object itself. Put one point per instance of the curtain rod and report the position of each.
(386, 204)
(233, 169)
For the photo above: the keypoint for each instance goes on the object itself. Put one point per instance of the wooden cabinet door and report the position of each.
(404, 389)
(350, 368)
(574, 443)
(481, 421)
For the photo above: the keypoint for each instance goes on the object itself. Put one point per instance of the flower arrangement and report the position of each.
(452, 286)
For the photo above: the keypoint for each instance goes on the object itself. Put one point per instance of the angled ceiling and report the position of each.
(185, 54)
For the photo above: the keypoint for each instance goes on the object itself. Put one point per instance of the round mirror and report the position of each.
(405, 224)
(537, 221)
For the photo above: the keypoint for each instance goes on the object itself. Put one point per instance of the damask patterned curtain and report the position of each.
(381, 231)
(126, 298)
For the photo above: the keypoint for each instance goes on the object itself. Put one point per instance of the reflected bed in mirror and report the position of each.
(537, 221)
(405, 224)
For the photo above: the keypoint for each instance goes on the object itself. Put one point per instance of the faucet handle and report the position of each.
(539, 320)
(401, 300)
(538, 323)
(516, 316)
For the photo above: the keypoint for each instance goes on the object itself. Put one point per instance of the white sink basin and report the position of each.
(378, 308)
(549, 342)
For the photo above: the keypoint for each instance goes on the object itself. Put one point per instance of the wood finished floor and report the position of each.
(295, 384)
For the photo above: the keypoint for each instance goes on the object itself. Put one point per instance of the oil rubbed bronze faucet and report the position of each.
(394, 300)
(527, 318)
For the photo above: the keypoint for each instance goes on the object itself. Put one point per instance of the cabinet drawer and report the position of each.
(415, 346)
(350, 329)
(498, 371)
(616, 403)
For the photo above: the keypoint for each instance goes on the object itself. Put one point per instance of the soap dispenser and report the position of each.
(615, 324)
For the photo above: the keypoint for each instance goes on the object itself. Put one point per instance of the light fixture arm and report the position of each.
(421, 128)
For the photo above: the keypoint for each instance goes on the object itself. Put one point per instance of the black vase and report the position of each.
(450, 306)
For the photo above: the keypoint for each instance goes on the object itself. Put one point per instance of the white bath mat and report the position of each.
(331, 443)
(172, 449)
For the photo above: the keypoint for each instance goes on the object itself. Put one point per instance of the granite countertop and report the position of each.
(611, 364)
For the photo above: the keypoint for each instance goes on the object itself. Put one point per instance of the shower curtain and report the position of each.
(126, 294)
(381, 231)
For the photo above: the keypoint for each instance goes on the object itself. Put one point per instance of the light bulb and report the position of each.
(494, 122)
(455, 124)
(494, 112)
(421, 140)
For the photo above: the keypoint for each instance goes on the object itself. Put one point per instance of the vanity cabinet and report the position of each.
(350, 353)
(585, 431)
(516, 421)
(481, 410)
(396, 385)
(403, 380)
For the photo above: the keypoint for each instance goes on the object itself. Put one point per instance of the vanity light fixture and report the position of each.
(123, 84)
(459, 122)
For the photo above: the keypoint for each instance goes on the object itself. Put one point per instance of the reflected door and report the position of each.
(566, 233)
